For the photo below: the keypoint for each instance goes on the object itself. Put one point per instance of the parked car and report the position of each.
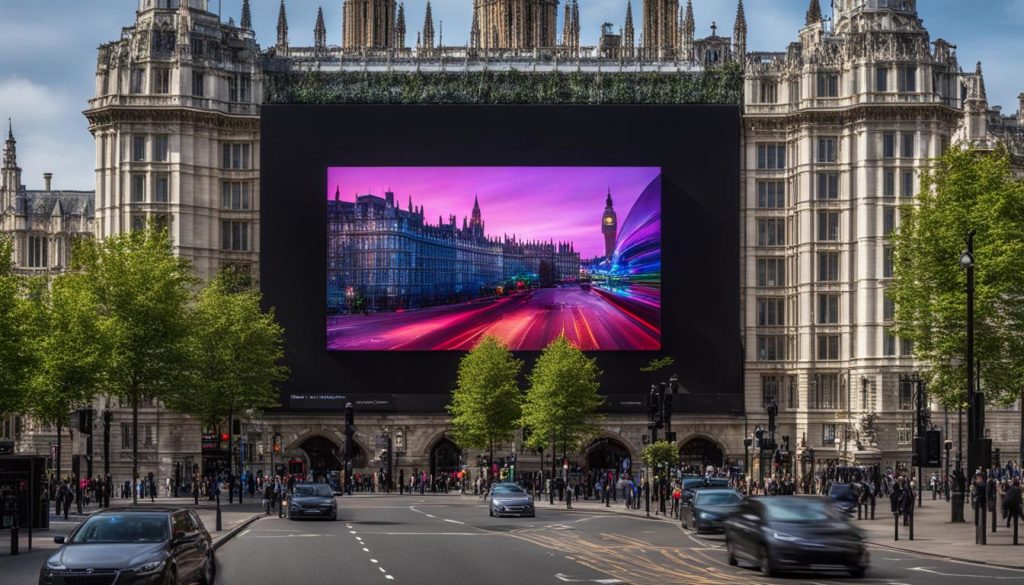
(165, 546)
(794, 532)
(708, 509)
(508, 499)
(312, 500)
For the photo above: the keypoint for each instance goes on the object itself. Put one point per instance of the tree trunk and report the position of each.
(60, 435)
(135, 447)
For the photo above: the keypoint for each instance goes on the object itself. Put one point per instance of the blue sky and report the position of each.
(48, 54)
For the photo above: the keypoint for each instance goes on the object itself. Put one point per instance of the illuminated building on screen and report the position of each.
(384, 258)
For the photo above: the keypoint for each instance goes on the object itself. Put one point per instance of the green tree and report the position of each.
(141, 292)
(658, 364)
(562, 403)
(964, 190)
(486, 405)
(15, 360)
(234, 353)
(66, 347)
(660, 455)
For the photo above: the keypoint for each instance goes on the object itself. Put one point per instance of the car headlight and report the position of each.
(785, 537)
(149, 568)
(55, 565)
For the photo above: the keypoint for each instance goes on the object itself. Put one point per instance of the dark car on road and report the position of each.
(844, 497)
(509, 499)
(794, 532)
(312, 500)
(691, 484)
(708, 509)
(133, 546)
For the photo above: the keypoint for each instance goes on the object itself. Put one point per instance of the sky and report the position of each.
(48, 54)
(532, 203)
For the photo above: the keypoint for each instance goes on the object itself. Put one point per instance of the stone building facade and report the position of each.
(835, 130)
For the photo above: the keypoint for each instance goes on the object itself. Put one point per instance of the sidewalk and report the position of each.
(934, 534)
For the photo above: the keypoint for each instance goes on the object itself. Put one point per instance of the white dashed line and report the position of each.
(366, 549)
(431, 516)
(389, 577)
(373, 560)
(453, 521)
(244, 533)
(382, 569)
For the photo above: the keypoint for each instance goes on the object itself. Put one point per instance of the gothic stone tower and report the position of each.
(661, 27)
(516, 24)
(609, 226)
(369, 24)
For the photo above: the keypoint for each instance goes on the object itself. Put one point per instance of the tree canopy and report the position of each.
(486, 403)
(964, 190)
(563, 400)
(14, 359)
(661, 454)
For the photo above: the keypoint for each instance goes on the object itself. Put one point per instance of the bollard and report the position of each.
(994, 519)
(872, 508)
(896, 526)
(14, 536)
(1016, 516)
(219, 525)
(911, 525)
(860, 507)
(647, 505)
(982, 519)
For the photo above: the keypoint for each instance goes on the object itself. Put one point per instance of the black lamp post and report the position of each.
(967, 263)
(773, 410)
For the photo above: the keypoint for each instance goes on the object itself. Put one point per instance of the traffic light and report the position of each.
(236, 427)
(933, 448)
(652, 403)
(350, 416)
(758, 437)
(917, 458)
(85, 421)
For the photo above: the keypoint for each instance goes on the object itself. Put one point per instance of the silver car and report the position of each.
(509, 499)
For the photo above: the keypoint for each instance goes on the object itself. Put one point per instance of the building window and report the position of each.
(771, 194)
(770, 387)
(881, 79)
(908, 78)
(163, 188)
(137, 77)
(827, 149)
(828, 266)
(235, 195)
(828, 85)
(138, 222)
(235, 235)
(771, 272)
(771, 156)
(888, 342)
(828, 185)
(240, 88)
(161, 222)
(907, 145)
(149, 436)
(828, 347)
(889, 184)
(888, 307)
(138, 148)
(771, 232)
(198, 83)
(236, 156)
(904, 435)
(771, 348)
(828, 309)
(889, 145)
(906, 347)
(771, 311)
(768, 92)
(907, 184)
(824, 391)
(828, 226)
(161, 148)
(828, 435)
(792, 395)
(888, 220)
(161, 80)
(887, 262)
(38, 252)
(126, 435)
(138, 188)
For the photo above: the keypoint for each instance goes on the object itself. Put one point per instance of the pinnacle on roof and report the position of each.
(246, 15)
(814, 12)
(741, 18)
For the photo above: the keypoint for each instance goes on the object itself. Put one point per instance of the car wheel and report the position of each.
(334, 515)
(857, 572)
(730, 554)
(765, 562)
(209, 570)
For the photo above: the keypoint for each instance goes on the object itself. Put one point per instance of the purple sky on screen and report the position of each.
(542, 203)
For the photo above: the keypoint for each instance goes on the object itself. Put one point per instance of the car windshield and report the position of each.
(102, 528)
(799, 510)
(717, 499)
(693, 482)
(842, 492)
(320, 489)
(507, 490)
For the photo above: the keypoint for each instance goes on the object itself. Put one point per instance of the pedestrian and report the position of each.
(568, 496)
(1012, 504)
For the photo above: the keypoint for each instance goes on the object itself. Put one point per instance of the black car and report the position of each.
(312, 500)
(691, 484)
(844, 497)
(709, 508)
(133, 546)
(794, 532)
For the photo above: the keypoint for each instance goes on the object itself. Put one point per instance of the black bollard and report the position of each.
(1016, 516)
(14, 535)
(982, 519)
(911, 525)
(994, 519)
(219, 525)
(872, 508)
(860, 507)
(647, 504)
(896, 526)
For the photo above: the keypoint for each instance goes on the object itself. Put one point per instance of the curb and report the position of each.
(944, 557)
(234, 531)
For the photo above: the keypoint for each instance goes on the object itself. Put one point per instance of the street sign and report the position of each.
(210, 441)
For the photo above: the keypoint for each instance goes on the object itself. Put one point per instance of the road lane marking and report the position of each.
(244, 532)
(453, 521)
(389, 577)
(934, 572)
(366, 549)
(431, 516)
(382, 569)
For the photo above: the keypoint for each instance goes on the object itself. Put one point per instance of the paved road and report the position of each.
(527, 321)
(445, 539)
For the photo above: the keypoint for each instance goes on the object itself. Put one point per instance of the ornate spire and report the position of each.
(400, 27)
(814, 12)
(282, 29)
(10, 150)
(739, 34)
(320, 32)
(428, 29)
(688, 28)
(246, 15)
(567, 24)
(978, 87)
(575, 24)
(474, 30)
(627, 34)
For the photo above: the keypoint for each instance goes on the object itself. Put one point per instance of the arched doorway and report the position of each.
(323, 455)
(700, 452)
(607, 454)
(444, 457)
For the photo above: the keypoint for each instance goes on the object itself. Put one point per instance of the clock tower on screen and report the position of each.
(609, 226)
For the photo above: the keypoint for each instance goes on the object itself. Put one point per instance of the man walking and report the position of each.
(1012, 502)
